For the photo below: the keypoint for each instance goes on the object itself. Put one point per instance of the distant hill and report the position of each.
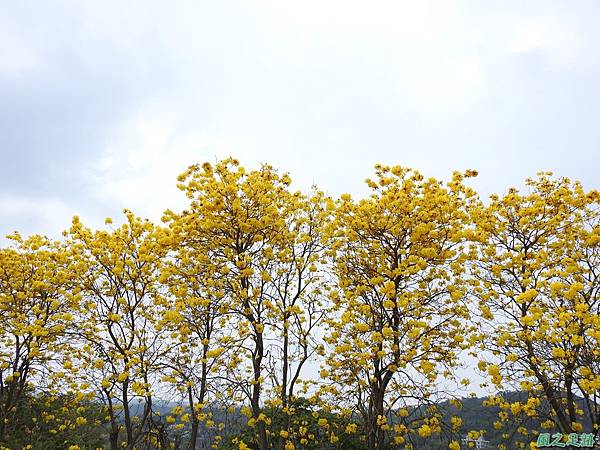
(474, 416)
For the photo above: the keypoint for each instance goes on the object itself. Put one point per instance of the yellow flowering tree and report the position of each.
(37, 302)
(258, 234)
(196, 314)
(400, 320)
(297, 289)
(538, 278)
(119, 346)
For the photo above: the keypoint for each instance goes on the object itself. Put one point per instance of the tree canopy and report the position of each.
(263, 317)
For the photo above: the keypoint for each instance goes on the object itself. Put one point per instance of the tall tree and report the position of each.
(297, 293)
(538, 282)
(400, 319)
(247, 219)
(120, 345)
(37, 302)
(196, 312)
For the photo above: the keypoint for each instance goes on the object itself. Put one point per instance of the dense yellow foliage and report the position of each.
(537, 279)
(234, 302)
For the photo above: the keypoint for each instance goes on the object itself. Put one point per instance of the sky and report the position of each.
(103, 104)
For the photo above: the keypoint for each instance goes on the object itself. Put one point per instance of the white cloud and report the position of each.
(48, 216)
(140, 171)
(16, 57)
(322, 89)
(557, 38)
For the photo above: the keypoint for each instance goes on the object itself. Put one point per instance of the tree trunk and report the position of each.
(256, 409)
(284, 366)
(375, 435)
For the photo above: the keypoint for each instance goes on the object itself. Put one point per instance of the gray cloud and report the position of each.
(102, 104)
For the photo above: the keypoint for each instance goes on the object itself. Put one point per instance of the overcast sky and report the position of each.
(102, 104)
